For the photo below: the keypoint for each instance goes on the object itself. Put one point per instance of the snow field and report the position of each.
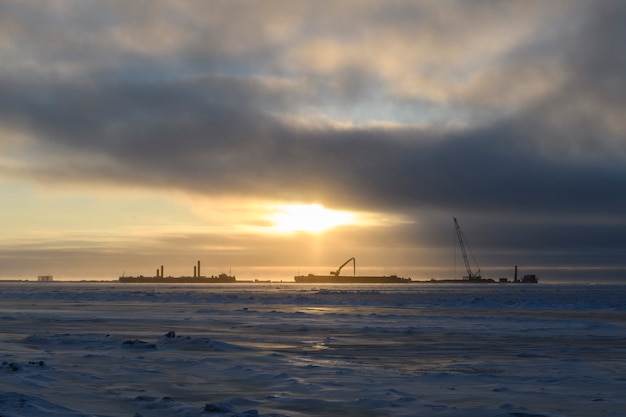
(109, 349)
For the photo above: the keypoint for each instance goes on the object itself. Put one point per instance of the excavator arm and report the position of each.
(336, 273)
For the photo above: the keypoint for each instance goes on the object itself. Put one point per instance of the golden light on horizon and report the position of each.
(312, 218)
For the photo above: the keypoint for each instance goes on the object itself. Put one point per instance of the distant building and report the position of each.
(530, 279)
(44, 278)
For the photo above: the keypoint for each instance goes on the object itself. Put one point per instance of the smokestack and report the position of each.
(199, 269)
(515, 273)
(157, 272)
(161, 271)
(194, 271)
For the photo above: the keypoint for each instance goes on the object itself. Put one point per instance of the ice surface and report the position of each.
(111, 349)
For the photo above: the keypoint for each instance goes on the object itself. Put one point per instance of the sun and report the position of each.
(312, 218)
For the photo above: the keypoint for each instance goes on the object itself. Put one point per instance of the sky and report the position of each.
(274, 138)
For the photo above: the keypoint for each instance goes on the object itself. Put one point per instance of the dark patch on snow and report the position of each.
(171, 340)
(219, 408)
(526, 415)
(226, 409)
(17, 366)
(138, 344)
(12, 366)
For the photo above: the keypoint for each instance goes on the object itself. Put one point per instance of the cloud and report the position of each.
(495, 108)
(210, 136)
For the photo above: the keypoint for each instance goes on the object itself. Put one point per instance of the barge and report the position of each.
(335, 278)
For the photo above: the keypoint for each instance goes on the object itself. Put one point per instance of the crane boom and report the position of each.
(336, 273)
(470, 275)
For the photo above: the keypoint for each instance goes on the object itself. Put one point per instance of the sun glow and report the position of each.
(312, 218)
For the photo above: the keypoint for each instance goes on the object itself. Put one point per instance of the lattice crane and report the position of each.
(470, 275)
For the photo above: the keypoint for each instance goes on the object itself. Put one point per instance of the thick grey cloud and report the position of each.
(210, 136)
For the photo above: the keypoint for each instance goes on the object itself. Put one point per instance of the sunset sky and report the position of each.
(271, 138)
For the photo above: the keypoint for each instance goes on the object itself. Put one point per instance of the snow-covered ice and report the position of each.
(270, 349)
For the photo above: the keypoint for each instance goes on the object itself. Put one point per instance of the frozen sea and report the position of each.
(274, 349)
